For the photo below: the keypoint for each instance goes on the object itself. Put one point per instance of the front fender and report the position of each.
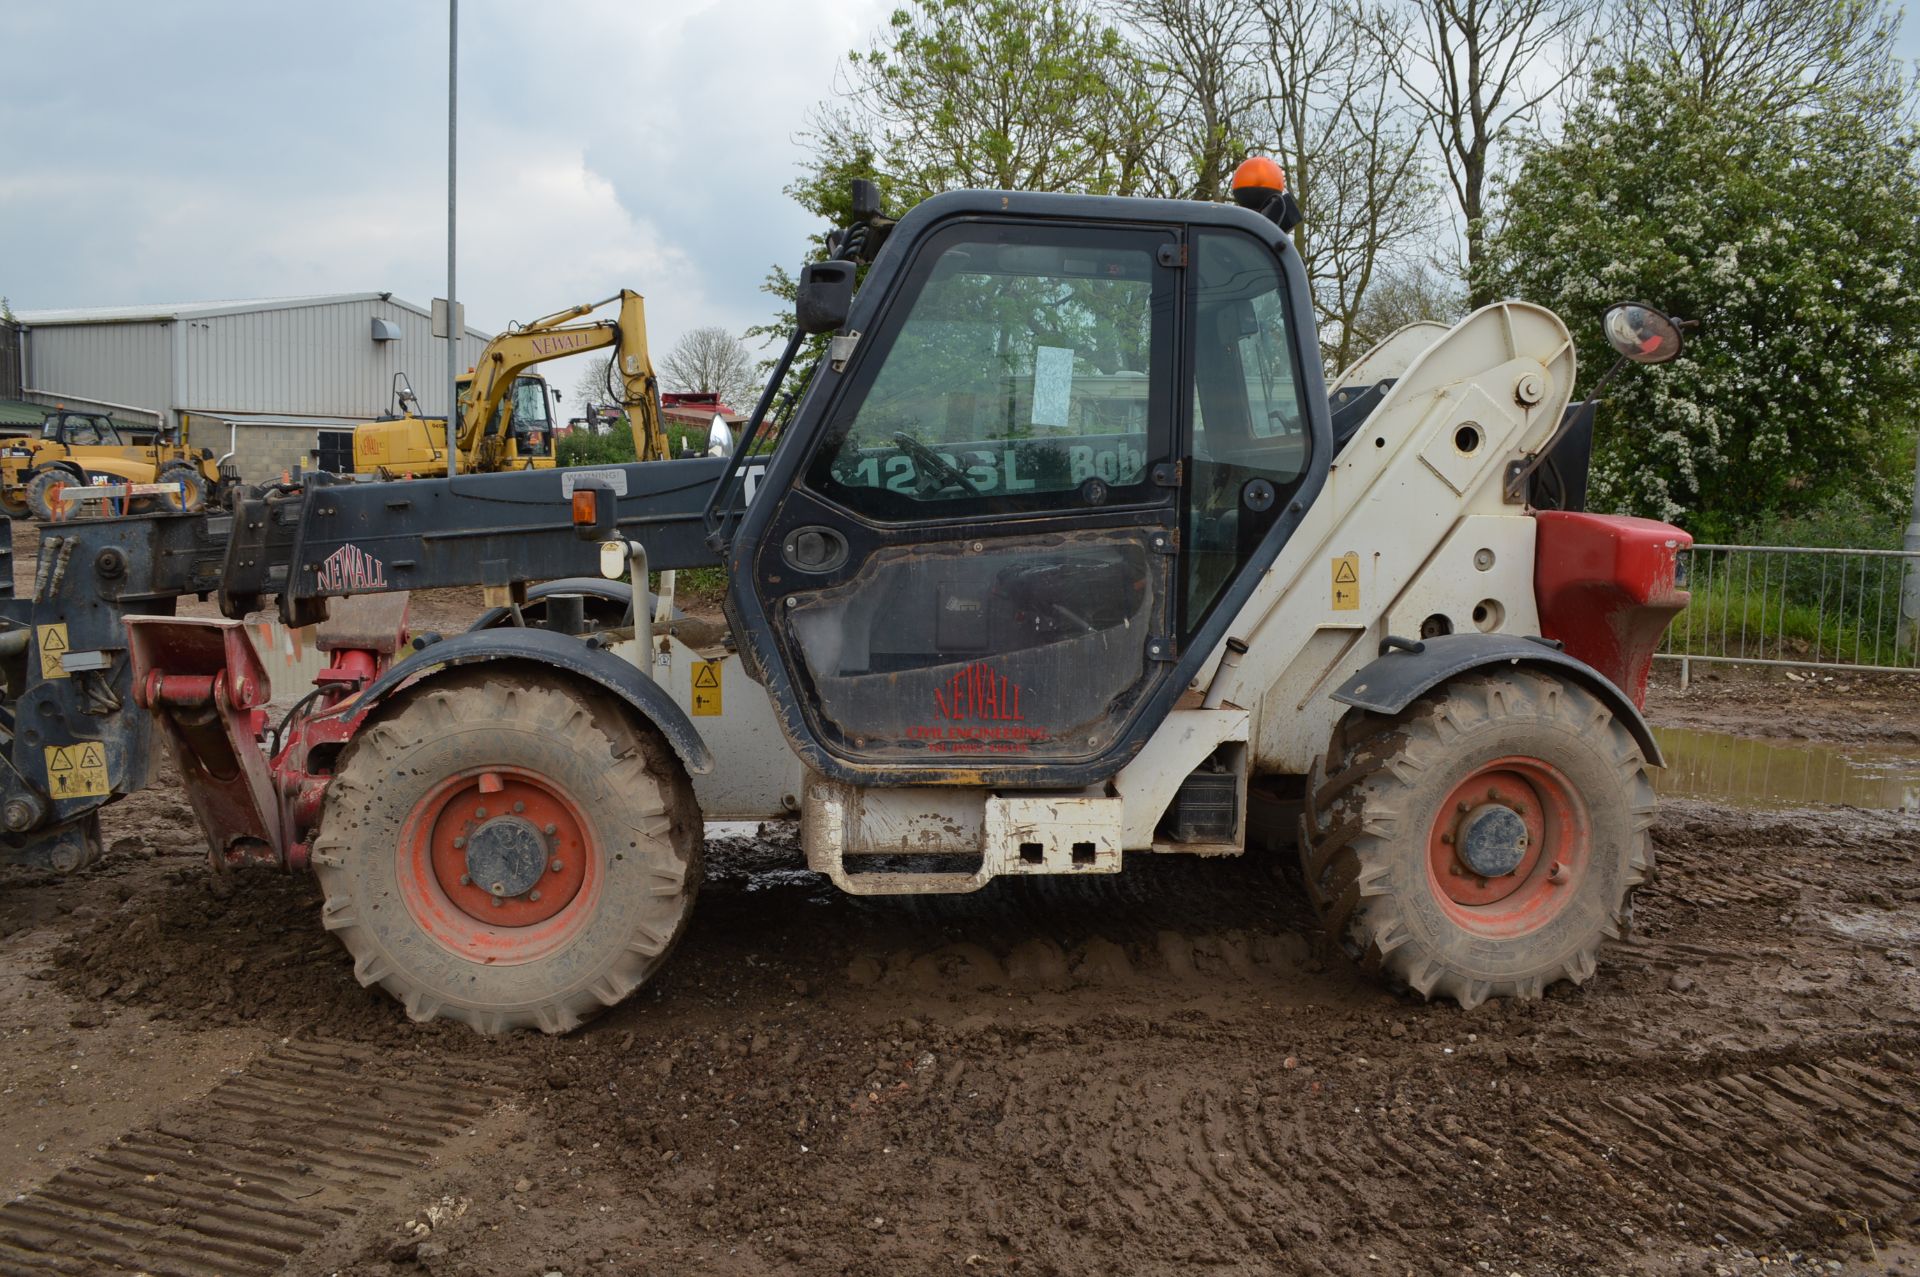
(547, 650)
(1397, 679)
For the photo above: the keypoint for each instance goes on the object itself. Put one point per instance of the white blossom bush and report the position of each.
(1793, 237)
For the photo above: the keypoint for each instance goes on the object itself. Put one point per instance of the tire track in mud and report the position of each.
(1786, 1151)
(260, 1168)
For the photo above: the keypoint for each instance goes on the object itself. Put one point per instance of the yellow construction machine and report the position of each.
(505, 413)
(41, 474)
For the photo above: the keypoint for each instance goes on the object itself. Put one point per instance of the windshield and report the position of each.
(530, 411)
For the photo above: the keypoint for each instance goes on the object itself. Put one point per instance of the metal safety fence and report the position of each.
(1836, 609)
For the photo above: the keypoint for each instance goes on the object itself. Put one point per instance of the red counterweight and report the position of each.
(1606, 587)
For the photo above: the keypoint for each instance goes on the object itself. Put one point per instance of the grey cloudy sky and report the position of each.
(183, 150)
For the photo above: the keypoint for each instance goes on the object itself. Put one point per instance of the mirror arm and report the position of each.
(1517, 477)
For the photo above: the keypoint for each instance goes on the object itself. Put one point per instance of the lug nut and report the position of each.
(557, 866)
(458, 843)
(466, 880)
(551, 830)
(497, 902)
(1466, 807)
(1447, 839)
(479, 813)
(498, 888)
(533, 895)
(519, 806)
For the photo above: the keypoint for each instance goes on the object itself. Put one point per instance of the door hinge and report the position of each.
(1174, 255)
(1166, 474)
(1161, 649)
(840, 349)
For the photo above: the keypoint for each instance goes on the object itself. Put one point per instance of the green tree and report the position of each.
(1791, 236)
(1017, 95)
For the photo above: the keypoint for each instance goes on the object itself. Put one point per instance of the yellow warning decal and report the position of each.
(706, 688)
(77, 771)
(53, 645)
(1346, 583)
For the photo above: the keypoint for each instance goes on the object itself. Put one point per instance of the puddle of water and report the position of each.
(1738, 771)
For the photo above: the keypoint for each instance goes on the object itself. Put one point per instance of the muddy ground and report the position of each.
(1160, 1072)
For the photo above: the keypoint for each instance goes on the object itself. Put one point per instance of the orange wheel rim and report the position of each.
(499, 865)
(1509, 847)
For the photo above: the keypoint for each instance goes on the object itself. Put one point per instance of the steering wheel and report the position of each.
(931, 462)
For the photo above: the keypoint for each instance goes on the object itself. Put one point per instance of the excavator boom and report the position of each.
(555, 336)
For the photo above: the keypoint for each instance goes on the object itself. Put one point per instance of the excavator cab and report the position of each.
(1001, 533)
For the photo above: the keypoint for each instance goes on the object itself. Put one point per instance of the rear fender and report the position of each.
(545, 650)
(1394, 681)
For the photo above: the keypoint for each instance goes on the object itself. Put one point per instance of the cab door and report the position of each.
(974, 573)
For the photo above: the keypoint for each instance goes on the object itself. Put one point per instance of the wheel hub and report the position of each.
(506, 856)
(1493, 840)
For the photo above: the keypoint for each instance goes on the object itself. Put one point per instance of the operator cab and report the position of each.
(81, 429)
(1004, 528)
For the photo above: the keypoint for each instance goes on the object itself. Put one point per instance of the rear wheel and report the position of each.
(1485, 841)
(194, 493)
(508, 854)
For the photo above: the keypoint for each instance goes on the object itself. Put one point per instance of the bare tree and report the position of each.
(710, 360)
(1477, 71)
(1351, 147)
(1405, 293)
(1771, 54)
(592, 388)
(1199, 59)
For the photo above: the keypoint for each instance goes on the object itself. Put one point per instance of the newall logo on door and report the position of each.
(351, 568)
(978, 693)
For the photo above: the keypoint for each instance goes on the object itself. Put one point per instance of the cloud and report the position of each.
(292, 149)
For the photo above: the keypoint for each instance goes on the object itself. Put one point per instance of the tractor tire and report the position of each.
(1484, 841)
(44, 500)
(563, 901)
(194, 495)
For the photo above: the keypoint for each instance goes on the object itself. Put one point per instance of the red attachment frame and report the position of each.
(205, 686)
(1606, 588)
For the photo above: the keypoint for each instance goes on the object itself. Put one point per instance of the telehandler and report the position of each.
(1064, 555)
(74, 449)
(506, 418)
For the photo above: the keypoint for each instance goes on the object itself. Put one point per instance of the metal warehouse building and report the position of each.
(268, 375)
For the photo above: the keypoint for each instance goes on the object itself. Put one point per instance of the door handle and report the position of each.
(814, 549)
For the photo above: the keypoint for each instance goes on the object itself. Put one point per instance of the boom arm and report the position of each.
(555, 335)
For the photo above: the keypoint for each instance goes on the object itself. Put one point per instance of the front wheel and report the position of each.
(47, 498)
(511, 853)
(1483, 842)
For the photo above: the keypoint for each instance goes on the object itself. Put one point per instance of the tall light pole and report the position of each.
(454, 326)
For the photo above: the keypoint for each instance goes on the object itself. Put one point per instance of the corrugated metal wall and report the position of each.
(303, 361)
(114, 363)
(310, 361)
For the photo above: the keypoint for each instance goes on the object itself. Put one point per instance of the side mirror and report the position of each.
(824, 297)
(719, 438)
(1641, 333)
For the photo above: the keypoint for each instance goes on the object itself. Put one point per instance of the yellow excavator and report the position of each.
(505, 414)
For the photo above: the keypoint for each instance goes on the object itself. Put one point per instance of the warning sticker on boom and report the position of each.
(1346, 583)
(77, 771)
(52, 641)
(706, 688)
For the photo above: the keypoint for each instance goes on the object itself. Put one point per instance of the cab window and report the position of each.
(1029, 367)
(1250, 444)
